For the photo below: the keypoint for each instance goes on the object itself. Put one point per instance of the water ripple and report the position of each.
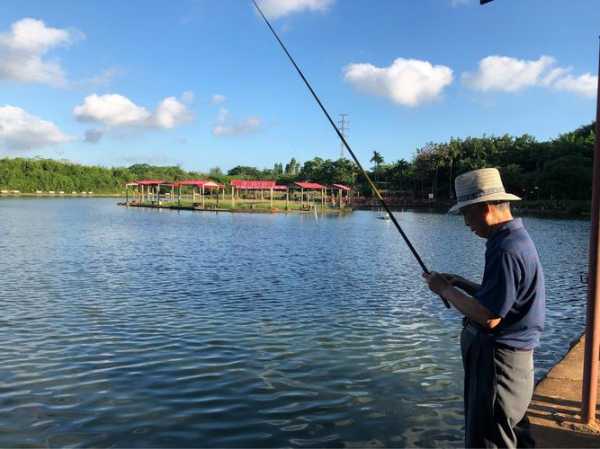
(128, 327)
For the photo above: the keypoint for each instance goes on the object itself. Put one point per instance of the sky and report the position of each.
(203, 83)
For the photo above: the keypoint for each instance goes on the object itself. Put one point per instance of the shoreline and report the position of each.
(273, 210)
(62, 195)
(578, 210)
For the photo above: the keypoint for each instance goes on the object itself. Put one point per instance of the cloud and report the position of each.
(224, 127)
(170, 113)
(275, 9)
(458, 3)
(114, 110)
(585, 85)
(104, 78)
(111, 110)
(188, 97)
(408, 82)
(20, 130)
(22, 50)
(218, 99)
(506, 74)
(93, 135)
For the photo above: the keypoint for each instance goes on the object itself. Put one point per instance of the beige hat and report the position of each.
(480, 186)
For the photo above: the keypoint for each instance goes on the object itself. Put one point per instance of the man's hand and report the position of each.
(454, 279)
(437, 282)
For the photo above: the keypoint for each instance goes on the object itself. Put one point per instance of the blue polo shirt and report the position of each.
(513, 286)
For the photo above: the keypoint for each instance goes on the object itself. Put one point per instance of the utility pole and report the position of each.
(343, 126)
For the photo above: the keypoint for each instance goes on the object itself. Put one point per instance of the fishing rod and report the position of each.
(343, 139)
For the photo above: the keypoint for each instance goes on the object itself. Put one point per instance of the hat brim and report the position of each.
(484, 199)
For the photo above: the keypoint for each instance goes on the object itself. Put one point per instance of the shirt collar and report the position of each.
(505, 228)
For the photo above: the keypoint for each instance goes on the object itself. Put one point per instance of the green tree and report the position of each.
(377, 159)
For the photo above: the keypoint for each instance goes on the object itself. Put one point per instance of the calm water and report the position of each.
(141, 328)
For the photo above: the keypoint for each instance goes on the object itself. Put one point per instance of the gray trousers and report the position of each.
(498, 390)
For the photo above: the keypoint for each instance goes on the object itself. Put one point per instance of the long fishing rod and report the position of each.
(343, 139)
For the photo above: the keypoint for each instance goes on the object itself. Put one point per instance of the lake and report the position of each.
(130, 327)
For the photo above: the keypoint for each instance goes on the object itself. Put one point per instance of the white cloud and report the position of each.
(170, 113)
(111, 110)
(225, 127)
(218, 99)
(114, 110)
(457, 3)
(20, 130)
(408, 82)
(22, 50)
(506, 74)
(585, 85)
(553, 75)
(275, 9)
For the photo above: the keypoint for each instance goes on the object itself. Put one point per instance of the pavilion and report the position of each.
(201, 185)
(311, 187)
(147, 188)
(341, 188)
(261, 186)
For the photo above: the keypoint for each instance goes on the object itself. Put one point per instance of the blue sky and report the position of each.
(202, 83)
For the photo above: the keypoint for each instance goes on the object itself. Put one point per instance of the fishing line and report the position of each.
(343, 139)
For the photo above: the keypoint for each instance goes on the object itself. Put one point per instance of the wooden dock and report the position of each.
(245, 210)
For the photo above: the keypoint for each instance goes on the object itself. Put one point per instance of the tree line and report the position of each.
(557, 169)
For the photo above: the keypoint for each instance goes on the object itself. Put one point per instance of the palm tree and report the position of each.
(401, 166)
(377, 159)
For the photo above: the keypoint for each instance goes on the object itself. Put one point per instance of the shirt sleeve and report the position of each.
(498, 291)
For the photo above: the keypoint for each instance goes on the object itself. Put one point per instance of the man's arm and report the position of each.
(466, 304)
(469, 287)
(470, 307)
(466, 285)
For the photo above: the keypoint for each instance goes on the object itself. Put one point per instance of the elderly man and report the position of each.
(503, 317)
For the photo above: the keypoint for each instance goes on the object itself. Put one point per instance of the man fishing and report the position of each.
(503, 317)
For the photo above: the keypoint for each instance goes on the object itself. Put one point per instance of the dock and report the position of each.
(248, 210)
(555, 410)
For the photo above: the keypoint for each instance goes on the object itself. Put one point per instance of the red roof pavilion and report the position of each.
(342, 187)
(310, 185)
(151, 182)
(243, 184)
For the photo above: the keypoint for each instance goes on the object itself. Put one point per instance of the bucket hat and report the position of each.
(479, 186)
